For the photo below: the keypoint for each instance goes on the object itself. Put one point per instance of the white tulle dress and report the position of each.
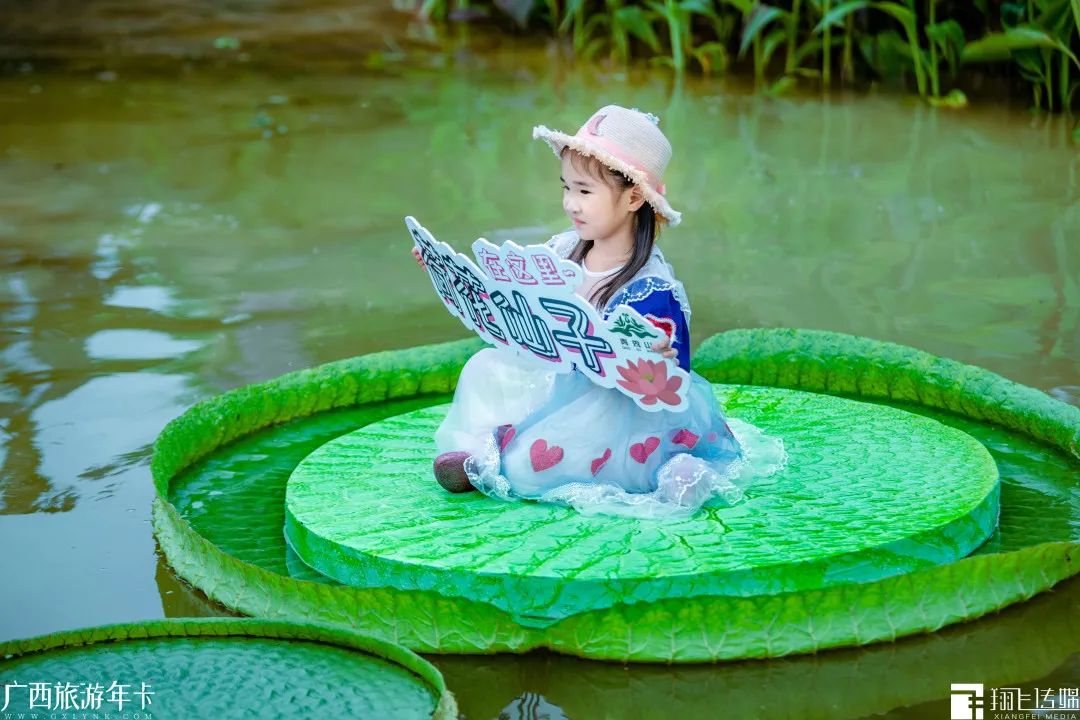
(573, 442)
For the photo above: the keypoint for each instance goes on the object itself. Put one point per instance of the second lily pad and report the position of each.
(219, 667)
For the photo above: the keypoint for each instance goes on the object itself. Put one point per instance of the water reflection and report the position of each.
(1067, 394)
(137, 345)
(149, 298)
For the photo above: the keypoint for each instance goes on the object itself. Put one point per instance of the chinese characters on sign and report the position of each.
(77, 696)
(522, 299)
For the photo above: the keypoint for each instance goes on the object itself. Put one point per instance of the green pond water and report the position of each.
(171, 229)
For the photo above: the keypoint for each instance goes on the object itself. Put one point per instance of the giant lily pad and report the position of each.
(869, 491)
(231, 546)
(224, 667)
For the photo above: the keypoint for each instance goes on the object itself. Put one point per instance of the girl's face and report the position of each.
(599, 211)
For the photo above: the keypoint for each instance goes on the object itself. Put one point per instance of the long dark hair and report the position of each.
(647, 225)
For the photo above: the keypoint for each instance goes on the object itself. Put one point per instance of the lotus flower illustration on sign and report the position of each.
(522, 299)
(651, 381)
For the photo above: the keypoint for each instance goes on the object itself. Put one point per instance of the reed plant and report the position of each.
(927, 43)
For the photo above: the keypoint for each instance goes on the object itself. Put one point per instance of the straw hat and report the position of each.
(627, 140)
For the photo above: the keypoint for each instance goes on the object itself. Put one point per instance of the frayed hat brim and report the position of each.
(558, 140)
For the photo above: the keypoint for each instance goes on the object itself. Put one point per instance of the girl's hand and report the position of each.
(663, 346)
(416, 254)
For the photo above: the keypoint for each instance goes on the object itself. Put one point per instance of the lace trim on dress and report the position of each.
(641, 288)
(563, 243)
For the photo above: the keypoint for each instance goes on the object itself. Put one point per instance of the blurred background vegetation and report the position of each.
(929, 46)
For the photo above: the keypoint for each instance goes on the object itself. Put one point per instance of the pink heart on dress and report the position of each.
(507, 437)
(685, 437)
(642, 451)
(599, 462)
(711, 437)
(544, 457)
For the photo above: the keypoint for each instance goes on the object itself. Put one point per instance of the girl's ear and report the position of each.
(637, 198)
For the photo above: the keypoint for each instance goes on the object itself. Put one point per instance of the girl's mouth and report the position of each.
(578, 222)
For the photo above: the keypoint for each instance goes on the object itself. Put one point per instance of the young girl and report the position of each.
(517, 430)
